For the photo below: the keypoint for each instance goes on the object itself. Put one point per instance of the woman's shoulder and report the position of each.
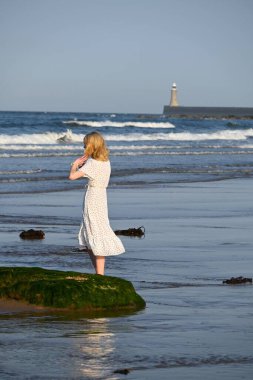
(100, 161)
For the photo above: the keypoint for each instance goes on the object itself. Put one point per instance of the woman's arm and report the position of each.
(74, 173)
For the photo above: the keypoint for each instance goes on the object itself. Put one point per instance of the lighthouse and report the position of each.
(173, 98)
(176, 111)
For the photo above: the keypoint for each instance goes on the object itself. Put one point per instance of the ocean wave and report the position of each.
(118, 124)
(41, 138)
(68, 147)
(247, 146)
(49, 147)
(57, 147)
(128, 153)
(27, 155)
(181, 153)
(184, 136)
(70, 137)
(31, 179)
(3, 172)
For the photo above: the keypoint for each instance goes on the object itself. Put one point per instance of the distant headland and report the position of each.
(177, 111)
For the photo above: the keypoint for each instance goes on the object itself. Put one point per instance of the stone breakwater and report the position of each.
(67, 290)
(209, 112)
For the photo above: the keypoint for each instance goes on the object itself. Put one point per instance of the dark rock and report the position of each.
(68, 290)
(124, 371)
(238, 280)
(139, 232)
(32, 234)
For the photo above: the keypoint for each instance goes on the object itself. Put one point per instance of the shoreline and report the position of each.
(146, 186)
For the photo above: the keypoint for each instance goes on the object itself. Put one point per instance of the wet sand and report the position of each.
(11, 306)
(194, 326)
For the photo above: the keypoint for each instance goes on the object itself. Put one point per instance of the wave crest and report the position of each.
(70, 137)
(118, 124)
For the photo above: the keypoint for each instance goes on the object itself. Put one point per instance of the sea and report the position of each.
(189, 183)
(37, 148)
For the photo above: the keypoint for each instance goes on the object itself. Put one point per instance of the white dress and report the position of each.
(95, 231)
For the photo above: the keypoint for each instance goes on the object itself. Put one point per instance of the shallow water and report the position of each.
(194, 327)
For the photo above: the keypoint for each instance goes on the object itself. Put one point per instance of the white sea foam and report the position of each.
(20, 171)
(42, 138)
(70, 137)
(118, 124)
(184, 136)
(48, 147)
(24, 155)
(60, 147)
(245, 146)
(68, 147)
(182, 153)
(127, 153)
(146, 147)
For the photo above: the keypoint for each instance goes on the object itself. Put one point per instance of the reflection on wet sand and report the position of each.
(97, 350)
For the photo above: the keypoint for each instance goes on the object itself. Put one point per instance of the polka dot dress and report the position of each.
(95, 231)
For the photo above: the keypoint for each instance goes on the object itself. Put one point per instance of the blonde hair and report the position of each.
(95, 146)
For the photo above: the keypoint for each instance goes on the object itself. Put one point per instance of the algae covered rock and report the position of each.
(68, 290)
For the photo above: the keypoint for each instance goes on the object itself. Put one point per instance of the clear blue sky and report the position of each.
(124, 55)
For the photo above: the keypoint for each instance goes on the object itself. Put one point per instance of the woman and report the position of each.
(95, 233)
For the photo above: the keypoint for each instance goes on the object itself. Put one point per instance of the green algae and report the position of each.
(68, 290)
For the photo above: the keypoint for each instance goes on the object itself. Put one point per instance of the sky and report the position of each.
(124, 55)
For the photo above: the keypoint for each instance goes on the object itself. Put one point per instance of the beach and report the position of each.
(194, 326)
(171, 95)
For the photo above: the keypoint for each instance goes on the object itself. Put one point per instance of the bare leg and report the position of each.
(93, 258)
(100, 265)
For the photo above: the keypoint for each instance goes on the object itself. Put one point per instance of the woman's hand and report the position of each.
(80, 161)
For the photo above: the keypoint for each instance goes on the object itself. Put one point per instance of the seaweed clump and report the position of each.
(138, 232)
(238, 280)
(32, 235)
(68, 290)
